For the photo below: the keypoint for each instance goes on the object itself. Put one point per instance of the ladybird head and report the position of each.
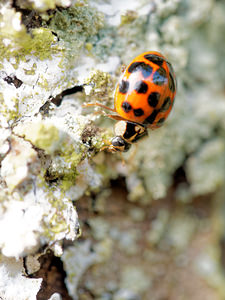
(131, 132)
(119, 144)
(126, 134)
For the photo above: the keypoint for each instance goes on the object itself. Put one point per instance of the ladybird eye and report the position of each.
(120, 144)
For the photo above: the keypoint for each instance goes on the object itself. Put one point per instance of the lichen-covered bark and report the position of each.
(152, 225)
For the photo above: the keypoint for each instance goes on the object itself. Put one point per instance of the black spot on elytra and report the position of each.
(141, 87)
(159, 77)
(166, 104)
(138, 112)
(157, 60)
(126, 106)
(171, 83)
(141, 66)
(161, 121)
(153, 99)
(150, 119)
(124, 86)
(170, 67)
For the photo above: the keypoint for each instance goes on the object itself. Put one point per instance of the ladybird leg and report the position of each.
(122, 159)
(153, 127)
(116, 117)
(133, 153)
(99, 113)
(106, 146)
(100, 105)
(123, 68)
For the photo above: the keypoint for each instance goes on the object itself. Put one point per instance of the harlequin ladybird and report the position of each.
(144, 98)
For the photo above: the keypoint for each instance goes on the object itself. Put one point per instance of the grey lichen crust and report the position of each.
(56, 55)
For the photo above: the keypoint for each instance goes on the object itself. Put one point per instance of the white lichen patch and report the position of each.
(61, 222)
(207, 265)
(158, 228)
(20, 164)
(114, 9)
(43, 5)
(86, 179)
(180, 231)
(32, 263)
(77, 260)
(128, 241)
(13, 283)
(4, 142)
(100, 228)
(20, 223)
(55, 296)
(33, 215)
(133, 279)
(37, 83)
(42, 134)
(42, 217)
(209, 160)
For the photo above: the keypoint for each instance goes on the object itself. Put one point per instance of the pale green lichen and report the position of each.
(15, 167)
(43, 136)
(127, 35)
(49, 138)
(207, 264)
(39, 42)
(32, 70)
(74, 26)
(208, 160)
(128, 17)
(134, 279)
(9, 109)
(100, 86)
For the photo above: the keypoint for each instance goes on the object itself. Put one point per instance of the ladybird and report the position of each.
(144, 97)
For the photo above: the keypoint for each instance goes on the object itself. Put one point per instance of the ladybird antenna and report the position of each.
(100, 105)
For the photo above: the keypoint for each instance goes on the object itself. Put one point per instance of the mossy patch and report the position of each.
(75, 25)
(39, 42)
(10, 113)
(102, 84)
(43, 136)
